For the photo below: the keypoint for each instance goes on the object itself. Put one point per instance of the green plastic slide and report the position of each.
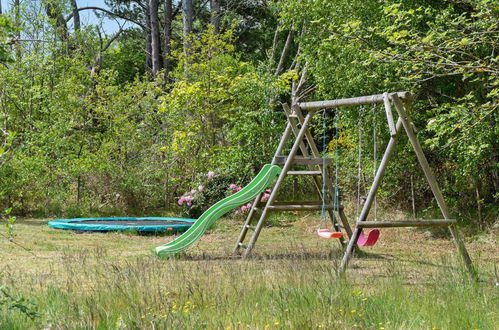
(255, 187)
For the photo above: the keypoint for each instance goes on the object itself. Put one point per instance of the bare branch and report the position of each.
(109, 13)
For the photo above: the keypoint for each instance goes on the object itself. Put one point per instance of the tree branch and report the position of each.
(109, 13)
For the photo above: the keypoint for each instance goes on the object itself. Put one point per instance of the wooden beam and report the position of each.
(307, 202)
(304, 173)
(406, 223)
(370, 197)
(251, 214)
(329, 183)
(299, 207)
(279, 160)
(432, 181)
(280, 179)
(389, 115)
(371, 99)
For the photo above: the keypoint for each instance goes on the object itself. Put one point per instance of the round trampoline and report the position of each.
(150, 224)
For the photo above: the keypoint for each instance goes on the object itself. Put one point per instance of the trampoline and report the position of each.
(150, 224)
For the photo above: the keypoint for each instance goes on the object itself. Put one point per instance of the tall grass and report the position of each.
(299, 291)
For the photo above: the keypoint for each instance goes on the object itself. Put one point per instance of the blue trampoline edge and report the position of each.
(76, 224)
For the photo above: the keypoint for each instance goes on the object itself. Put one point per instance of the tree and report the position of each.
(156, 58)
(167, 37)
(187, 20)
(215, 15)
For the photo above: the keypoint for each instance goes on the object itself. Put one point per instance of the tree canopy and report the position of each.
(99, 123)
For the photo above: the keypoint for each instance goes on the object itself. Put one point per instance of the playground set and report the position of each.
(304, 152)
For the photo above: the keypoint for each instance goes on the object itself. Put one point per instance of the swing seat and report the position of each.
(368, 240)
(326, 233)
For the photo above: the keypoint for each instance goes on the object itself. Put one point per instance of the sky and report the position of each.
(87, 16)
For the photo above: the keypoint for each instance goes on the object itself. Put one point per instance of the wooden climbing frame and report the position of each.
(304, 151)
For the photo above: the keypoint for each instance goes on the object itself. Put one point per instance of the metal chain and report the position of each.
(336, 170)
(359, 170)
(375, 165)
(323, 208)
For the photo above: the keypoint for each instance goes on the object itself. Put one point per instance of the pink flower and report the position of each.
(237, 189)
(193, 191)
(243, 208)
(248, 205)
(181, 200)
(200, 188)
(268, 190)
(211, 175)
(232, 186)
(265, 196)
(189, 203)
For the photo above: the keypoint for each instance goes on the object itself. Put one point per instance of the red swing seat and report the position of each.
(326, 233)
(368, 240)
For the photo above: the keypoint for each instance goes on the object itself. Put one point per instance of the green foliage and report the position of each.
(443, 51)
(94, 134)
(218, 108)
(208, 189)
(126, 58)
(23, 305)
(7, 32)
(87, 142)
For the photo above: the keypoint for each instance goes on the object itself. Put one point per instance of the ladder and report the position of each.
(304, 152)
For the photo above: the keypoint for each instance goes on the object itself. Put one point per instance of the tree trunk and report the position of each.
(167, 37)
(148, 39)
(187, 10)
(76, 16)
(285, 51)
(215, 15)
(155, 40)
(54, 12)
(17, 8)
(274, 46)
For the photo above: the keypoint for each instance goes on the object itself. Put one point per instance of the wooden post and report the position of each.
(370, 197)
(430, 177)
(315, 151)
(280, 179)
(329, 184)
(251, 214)
(413, 199)
(389, 115)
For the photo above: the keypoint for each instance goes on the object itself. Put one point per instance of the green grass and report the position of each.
(112, 281)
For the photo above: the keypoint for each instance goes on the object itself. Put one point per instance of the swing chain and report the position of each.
(336, 171)
(324, 152)
(359, 170)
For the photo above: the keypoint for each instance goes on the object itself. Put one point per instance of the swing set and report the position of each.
(304, 152)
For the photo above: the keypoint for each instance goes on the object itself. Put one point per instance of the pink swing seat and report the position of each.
(326, 233)
(368, 240)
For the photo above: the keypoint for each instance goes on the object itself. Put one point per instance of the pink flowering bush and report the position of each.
(211, 188)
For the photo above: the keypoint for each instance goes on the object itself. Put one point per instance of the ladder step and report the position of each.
(293, 116)
(298, 207)
(250, 227)
(301, 160)
(304, 173)
(406, 223)
(244, 246)
(308, 202)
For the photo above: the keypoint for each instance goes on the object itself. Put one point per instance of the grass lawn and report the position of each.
(409, 280)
